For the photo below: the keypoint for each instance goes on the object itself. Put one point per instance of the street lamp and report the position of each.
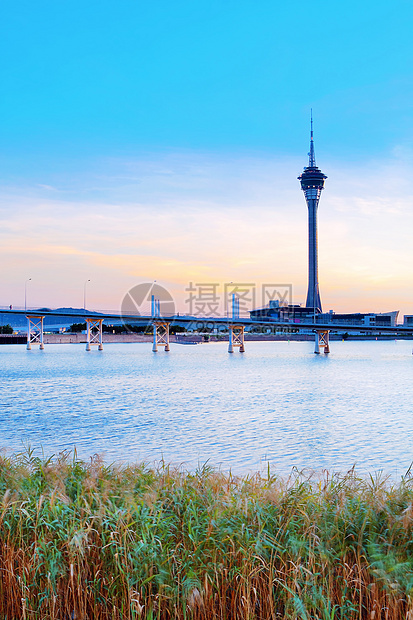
(84, 294)
(25, 294)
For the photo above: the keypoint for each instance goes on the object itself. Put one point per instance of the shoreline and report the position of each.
(78, 338)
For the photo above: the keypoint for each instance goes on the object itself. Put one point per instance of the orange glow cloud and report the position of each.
(198, 218)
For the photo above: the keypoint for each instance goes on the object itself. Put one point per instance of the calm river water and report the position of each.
(278, 403)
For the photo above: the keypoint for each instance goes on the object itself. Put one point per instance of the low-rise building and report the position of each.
(301, 314)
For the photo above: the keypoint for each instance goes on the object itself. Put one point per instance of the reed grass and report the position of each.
(84, 540)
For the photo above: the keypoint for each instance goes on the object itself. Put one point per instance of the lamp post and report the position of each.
(25, 294)
(84, 294)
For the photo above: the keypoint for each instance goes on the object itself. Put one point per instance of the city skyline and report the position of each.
(159, 143)
(147, 248)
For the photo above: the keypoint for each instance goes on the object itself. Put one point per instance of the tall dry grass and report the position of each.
(90, 541)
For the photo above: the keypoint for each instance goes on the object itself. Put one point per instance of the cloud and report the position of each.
(183, 217)
(48, 187)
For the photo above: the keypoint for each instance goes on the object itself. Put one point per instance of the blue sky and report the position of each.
(102, 101)
(119, 77)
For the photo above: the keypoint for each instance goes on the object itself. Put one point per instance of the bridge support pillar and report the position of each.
(236, 338)
(94, 333)
(160, 335)
(322, 340)
(34, 331)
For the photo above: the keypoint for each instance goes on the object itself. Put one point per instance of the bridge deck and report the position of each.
(210, 321)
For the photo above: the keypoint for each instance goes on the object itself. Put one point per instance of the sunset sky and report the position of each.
(162, 141)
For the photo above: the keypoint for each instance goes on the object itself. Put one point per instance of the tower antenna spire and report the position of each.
(311, 154)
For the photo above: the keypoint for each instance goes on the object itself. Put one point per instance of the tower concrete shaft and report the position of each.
(312, 182)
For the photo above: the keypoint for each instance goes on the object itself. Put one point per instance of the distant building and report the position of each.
(381, 319)
(299, 314)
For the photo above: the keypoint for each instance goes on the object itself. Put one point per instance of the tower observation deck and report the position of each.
(312, 182)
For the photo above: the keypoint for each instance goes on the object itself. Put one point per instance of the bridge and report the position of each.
(235, 324)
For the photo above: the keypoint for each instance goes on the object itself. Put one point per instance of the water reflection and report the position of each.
(277, 403)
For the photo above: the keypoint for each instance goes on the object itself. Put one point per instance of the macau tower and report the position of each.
(312, 182)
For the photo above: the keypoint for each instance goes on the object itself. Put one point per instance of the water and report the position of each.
(278, 404)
